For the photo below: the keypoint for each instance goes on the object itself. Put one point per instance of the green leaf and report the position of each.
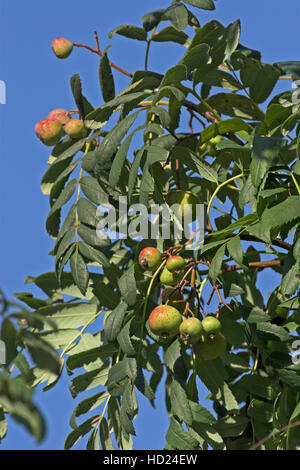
(70, 315)
(216, 263)
(152, 19)
(235, 250)
(178, 16)
(9, 337)
(84, 107)
(178, 438)
(92, 190)
(79, 271)
(265, 151)
(174, 361)
(79, 433)
(113, 323)
(171, 34)
(106, 78)
(129, 31)
(105, 438)
(203, 4)
(261, 79)
(92, 254)
(124, 340)
(42, 353)
(223, 127)
(234, 105)
(88, 404)
(196, 56)
(232, 426)
(192, 161)
(88, 380)
(3, 424)
(293, 433)
(114, 137)
(273, 332)
(179, 402)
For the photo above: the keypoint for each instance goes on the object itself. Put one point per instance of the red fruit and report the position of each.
(150, 258)
(75, 128)
(164, 321)
(175, 263)
(49, 132)
(59, 115)
(62, 47)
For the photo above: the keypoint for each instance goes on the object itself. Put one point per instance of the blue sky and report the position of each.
(36, 83)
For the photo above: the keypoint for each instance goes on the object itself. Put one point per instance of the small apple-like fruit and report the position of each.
(211, 325)
(75, 128)
(60, 115)
(187, 202)
(164, 321)
(150, 258)
(173, 297)
(191, 330)
(207, 145)
(169, 279)
(210, 348)
(175, 263)
(49, 132)
(62, 47)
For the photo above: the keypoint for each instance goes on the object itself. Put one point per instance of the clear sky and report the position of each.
(36, 83)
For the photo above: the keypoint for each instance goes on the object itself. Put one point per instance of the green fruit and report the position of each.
(211, 325)
(170, 279)
(210, 348)
(175, 263)
(150, 258)
(191, 330)
(49, 132)
(209, 143)
(164, 321)
(62, 47)
(75, 128)
(172, 296)
(185, 204)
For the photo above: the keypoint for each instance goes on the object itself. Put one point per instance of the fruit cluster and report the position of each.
(58, 123)
(174, 317)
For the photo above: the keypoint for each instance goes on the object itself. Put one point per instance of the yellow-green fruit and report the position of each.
(164, 321)
(191, 330)
(175, 263)
(210, 348)
(170, 279)
(184, 204)
(209, 143)
(211, 325)
(75, 128)
(62, 47)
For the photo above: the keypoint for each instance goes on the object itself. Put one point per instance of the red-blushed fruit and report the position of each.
(191, 330)
(170, 279)
(62, 47)
(210, 348)
(49, 132)
(187, 202)
(75, 128)
(60, 115)
(175, 263)
(211, 325)
(164, 321)
(173, 297)
(150, 258)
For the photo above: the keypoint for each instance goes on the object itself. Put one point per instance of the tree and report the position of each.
(140, 147)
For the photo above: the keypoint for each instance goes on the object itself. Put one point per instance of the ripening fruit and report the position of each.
(75, 128)
(150, 258)
(210, 348)
(172, 296)
(62, 47)
(175, 263)
(60, 115)
(164, 321)
(187, 202)
(211, 325)
(49, 132)
(191, 330)
(209, 143)
(168, 278)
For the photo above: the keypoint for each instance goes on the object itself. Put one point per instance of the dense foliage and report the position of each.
(242, 162)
